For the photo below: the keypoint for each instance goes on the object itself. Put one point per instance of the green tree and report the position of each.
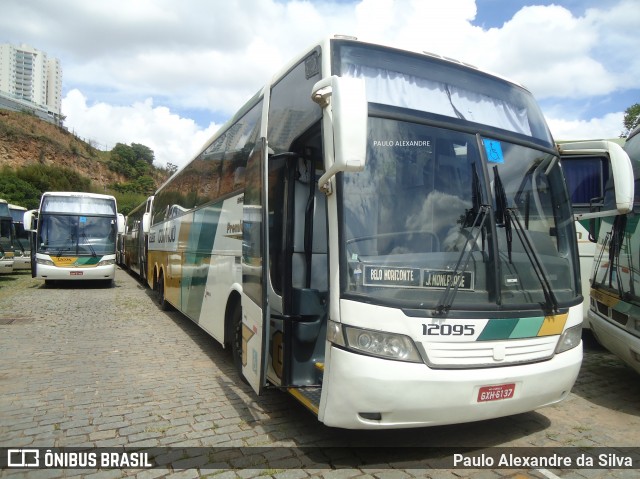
(145, 185)
(171, 168)
(631, 119)
(54, 178)
(17, 191)
(143, 152)
(131, 161)
(128, 201)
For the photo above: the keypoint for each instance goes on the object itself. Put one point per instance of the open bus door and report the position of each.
(344, 105)
(255, 269)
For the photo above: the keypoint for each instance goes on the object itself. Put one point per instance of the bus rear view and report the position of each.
(75, 237)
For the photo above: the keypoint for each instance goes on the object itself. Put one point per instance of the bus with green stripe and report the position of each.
(614, 314)
(75, 237)
(384, 234)
(587, 167)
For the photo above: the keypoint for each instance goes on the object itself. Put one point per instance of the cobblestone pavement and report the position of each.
(85, 366)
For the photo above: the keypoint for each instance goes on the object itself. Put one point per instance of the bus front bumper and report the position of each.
(21, 262)
(75, 274)
(400, 394)
(617, 340)
(6, 266)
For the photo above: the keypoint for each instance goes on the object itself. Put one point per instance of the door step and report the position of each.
(310, 397)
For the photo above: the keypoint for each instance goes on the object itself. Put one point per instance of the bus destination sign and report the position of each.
(443, 279)
(416, 278)
(391, 276)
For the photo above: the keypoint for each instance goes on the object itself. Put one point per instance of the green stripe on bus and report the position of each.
(527, 327)
(88, 260)
(498, 329)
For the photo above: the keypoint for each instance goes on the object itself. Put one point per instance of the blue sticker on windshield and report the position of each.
(83, 219)
(494, 151)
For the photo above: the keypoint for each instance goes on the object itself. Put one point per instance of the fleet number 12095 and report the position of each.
(448, 330)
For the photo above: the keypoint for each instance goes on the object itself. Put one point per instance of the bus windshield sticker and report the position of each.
(390, 276)
(83, 219)
(494, 150)
(441, 279)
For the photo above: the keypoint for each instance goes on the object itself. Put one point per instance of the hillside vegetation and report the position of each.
(37, 156)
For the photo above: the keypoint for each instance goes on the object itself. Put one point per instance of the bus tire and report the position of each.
(162, 300)
(236, 340)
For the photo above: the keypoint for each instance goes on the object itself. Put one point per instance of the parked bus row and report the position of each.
(386, 235)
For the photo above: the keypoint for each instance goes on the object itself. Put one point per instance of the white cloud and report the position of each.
(172, 138)
(607, 127)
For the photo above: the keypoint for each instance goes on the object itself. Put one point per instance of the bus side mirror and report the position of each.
(618, 189)
(28, 218)
(121, 223)
(344, 122)
(146, 222)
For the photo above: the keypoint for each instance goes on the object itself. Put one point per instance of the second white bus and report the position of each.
(614, 314)
(75, 236)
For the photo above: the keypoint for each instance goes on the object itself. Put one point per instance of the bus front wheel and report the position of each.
(236, 340)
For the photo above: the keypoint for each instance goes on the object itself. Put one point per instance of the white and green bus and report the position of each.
(75, 236)
(7, 239)
(614, 315)
(135, 239)
(587, 167)
(384, 234)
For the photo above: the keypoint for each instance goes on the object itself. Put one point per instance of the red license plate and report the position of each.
(76, 273)
(496, 393)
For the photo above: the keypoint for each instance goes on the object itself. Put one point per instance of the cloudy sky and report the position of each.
(168, 73)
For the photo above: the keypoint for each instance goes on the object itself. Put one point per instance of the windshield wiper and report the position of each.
(86, 238)
(449, 294)
(502, 217)
(508, 217)
(64, 247)
(547, 290)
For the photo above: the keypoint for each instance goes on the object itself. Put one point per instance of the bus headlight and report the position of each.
(46, 262)
(569, 339)
(106, 262)
(374, 343)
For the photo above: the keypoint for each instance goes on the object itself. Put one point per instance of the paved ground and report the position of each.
(86, 366)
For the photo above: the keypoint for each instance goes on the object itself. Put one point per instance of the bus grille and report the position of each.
(489, 353)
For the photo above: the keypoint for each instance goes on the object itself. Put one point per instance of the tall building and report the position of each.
(27, 74)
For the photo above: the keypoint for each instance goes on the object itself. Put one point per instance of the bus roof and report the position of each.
(77, 193)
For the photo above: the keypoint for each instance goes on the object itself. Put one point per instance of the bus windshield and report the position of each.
(6, 234)
(76, 235)
(6, 238)
(434, 205)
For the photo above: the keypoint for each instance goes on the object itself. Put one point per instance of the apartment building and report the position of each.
(29, 75)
